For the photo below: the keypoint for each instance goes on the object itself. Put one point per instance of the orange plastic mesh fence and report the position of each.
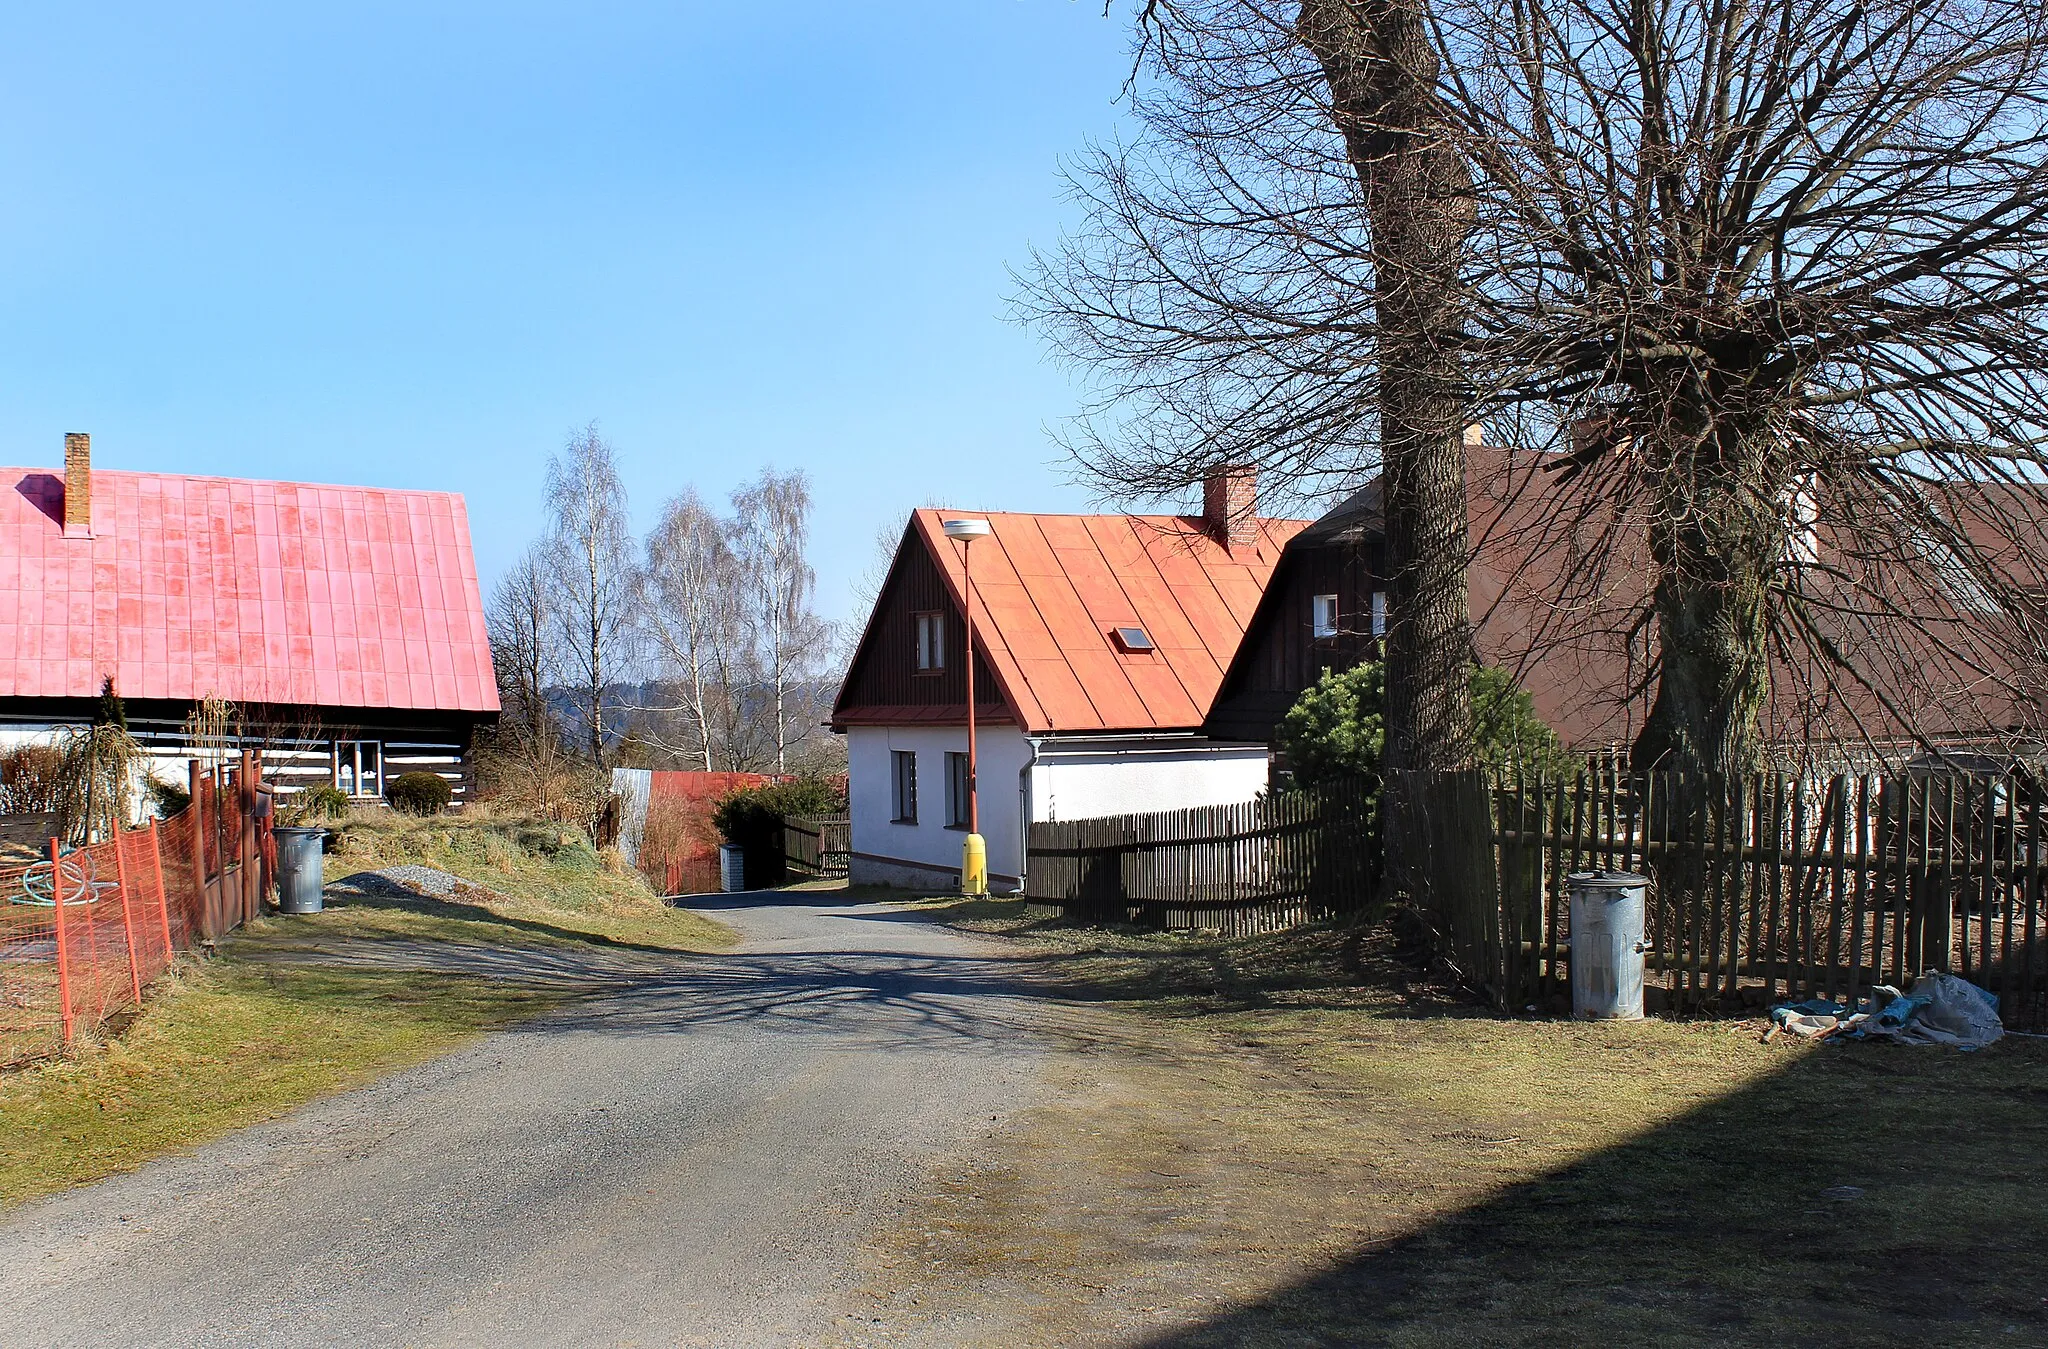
(81, 935)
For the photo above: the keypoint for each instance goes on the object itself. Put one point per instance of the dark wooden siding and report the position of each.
(886, 674)
(1281, 655)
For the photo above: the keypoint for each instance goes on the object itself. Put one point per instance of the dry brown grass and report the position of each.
(1296, 1140)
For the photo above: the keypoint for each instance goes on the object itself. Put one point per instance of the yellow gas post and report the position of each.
(974, 866)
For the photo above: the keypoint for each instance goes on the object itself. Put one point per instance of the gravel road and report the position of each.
(694, 1155)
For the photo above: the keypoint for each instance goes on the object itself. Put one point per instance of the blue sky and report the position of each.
(417, 245)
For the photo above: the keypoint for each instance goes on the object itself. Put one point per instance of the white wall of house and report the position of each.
(1081, 777)
(927, 853)
(1039, 778)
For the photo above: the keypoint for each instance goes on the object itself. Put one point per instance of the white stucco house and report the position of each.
(1100, 643)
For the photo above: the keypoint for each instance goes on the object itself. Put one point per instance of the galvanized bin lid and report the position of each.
(1609, 880)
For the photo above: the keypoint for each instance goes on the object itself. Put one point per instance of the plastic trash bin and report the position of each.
(732, 868)
(299, 879)
(1607, 944)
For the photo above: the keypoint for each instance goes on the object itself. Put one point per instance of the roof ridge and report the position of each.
(230, 478)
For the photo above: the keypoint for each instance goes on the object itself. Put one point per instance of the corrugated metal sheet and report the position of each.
(257, 592)
(1050, 590)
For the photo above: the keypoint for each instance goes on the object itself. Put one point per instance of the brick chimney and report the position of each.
(77, 485)
(1230, 505)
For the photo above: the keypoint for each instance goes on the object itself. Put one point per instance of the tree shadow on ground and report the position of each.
(1863, 1194)
(370, 890)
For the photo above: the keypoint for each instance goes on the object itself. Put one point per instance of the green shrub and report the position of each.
(1337, 728)
(420, 794)
(319, 803)
(751, 818)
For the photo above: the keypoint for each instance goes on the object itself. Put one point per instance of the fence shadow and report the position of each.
(1863, 1194)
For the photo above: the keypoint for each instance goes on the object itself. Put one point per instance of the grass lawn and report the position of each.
(264, 1026)
(225, 1044)
(1316, 1146)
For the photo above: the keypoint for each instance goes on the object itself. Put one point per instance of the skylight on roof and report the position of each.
(1134, 639)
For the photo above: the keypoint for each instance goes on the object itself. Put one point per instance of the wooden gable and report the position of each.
(883, 684)
(1281, 655)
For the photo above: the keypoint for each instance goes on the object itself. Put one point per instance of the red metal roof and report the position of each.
(1051, 589)
(257, 592)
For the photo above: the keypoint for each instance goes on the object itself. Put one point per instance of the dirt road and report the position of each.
(695, 1154)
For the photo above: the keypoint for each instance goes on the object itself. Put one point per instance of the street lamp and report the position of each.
(974, 851)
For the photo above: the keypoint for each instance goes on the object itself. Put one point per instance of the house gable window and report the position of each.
(903, 786)
(1379, 613)
(956, 790)
(1323, 614)
(359, 767)
(931, 643)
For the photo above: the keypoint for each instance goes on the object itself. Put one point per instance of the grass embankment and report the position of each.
(529, 882)
(266, 1026)
(1384, 1162)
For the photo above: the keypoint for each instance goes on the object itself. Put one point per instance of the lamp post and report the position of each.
(974, 851)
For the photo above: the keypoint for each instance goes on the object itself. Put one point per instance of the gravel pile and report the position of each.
(430, 881)
(407, 881)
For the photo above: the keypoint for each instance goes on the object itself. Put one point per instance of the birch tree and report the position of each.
(592, 566)
(771, 533)
(691, 599)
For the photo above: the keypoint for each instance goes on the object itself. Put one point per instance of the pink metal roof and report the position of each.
(257, 592)
(1050, 590)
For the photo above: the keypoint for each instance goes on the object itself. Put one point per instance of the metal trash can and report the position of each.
(732, 868)
(1607, 944)
(299, 879)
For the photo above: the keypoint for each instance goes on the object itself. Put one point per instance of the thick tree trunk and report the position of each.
(1382, 66)
(1714, 562)
(1716, 541)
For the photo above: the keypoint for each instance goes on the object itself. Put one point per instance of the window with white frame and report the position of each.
(1323, 613)
(903, 777)
(1379, 613)
(931, 643)
(359, 767)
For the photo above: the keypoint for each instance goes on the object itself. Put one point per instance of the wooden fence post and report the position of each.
(127, 915)
(63, 945)
(245, 838)
(163, 907)
(203, 890)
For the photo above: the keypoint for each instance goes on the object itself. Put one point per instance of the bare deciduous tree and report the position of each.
(1273, 275)
(525, 647)
(770, 536)
(691, 601)
(590, 552)
(1771, 273)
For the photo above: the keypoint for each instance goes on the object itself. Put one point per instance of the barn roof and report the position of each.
(1051, 590)
(256, 592)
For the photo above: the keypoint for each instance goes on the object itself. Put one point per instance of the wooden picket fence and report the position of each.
(816, 845)
(1770, 887)
(1284, 859)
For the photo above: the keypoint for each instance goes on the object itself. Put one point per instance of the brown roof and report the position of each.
(1050, 591)
(1560, 584)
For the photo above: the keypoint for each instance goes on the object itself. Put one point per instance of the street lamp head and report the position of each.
(965, 530)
